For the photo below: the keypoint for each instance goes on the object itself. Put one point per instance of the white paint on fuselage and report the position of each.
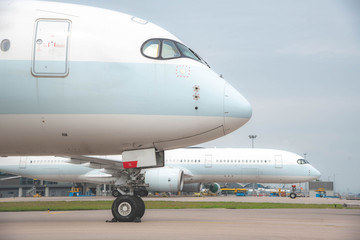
(112, 98)
(101, 132)
(108, 33)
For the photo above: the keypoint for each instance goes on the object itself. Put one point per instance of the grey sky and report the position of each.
(297, 62)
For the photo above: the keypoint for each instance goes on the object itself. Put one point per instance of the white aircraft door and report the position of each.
(278, 161)
(22, 163)
(51, 44)
(208, 161)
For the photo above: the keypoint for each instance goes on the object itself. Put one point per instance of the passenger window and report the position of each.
(151, 48)
(169, 50)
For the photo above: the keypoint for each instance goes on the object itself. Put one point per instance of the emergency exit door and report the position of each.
(22, 163)
(51, 45)
(208, 161)
(278, 161)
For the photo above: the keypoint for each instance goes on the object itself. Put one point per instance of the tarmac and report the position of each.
(186, 223)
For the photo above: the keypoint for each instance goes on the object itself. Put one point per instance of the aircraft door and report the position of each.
(278, 161)
(22, 163)
(51, 44)
(208, 161)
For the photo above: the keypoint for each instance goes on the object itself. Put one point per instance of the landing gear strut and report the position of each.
(128, 206)
(293, 193)
(130, 183)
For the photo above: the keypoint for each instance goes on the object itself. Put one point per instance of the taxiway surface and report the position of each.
(185, 224)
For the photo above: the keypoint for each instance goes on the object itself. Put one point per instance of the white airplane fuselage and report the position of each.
(198, 166)
(78, 80)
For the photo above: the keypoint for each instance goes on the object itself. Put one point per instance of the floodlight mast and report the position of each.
(252, 137)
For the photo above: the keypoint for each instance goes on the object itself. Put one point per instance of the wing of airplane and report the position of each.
(97, 162)
(9, 178)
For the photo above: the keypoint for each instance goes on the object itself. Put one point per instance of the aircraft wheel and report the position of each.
(292, 195)
(141, 205)
(141, 192)
(116, 193)
(125, 208)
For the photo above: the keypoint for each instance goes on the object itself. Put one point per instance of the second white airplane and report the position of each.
(185, 170)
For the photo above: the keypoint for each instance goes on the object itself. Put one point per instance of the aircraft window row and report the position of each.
(219, 161)
(46, 161)
(302, 161)
(168, 49)
(190, 161)
(183, 161)
(243, 161)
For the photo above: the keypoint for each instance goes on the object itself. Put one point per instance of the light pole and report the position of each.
(307, 183)
(252, 137)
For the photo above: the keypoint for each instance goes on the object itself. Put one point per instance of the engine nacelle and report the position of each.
(164, 179)
(215, 188)
(192, 187)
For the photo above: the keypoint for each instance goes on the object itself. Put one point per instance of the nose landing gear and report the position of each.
(128, 205)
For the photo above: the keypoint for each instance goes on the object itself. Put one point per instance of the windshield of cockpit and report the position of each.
(302, 161)
(164, 49)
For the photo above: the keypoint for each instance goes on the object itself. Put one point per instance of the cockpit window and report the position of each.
(187, 52)
(168, 49)
(302, 161)
(151, 48)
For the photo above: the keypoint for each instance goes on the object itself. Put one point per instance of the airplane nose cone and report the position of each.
(314, 173)
(237, 110)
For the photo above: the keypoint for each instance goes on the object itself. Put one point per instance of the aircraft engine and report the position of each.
(192, 187)
(164, 179)
(215, 188)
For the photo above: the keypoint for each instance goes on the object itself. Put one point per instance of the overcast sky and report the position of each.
(297, 62)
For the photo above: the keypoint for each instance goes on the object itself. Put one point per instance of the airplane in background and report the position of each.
(78, 80)
(185, 169)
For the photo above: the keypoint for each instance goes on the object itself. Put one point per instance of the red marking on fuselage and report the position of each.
(130, 164)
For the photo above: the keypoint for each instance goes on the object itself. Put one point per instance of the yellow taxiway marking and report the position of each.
(53, 212)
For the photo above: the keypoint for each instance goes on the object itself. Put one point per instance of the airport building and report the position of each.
(15, 186)
(21, 187)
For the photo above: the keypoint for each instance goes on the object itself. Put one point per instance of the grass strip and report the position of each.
(103, 205)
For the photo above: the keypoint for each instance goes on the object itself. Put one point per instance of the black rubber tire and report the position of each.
(141, 205)
(293, 195)
(125, 208)
(141, 192)
(115, 193)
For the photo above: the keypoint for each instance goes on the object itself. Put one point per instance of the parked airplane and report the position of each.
(185, 169)
(77, 80)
